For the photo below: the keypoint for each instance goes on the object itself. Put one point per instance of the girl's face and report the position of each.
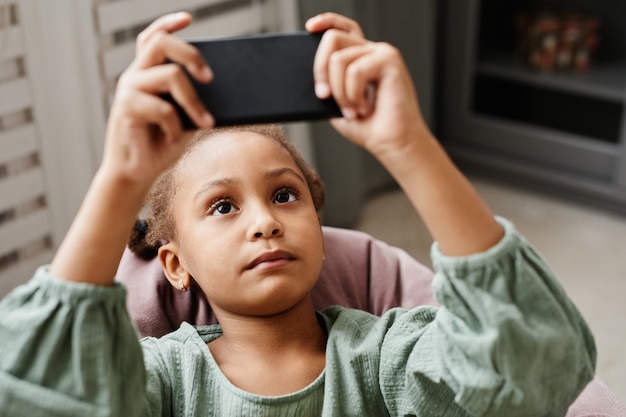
(247, 229)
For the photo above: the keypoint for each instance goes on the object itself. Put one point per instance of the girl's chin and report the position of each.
(277, 303)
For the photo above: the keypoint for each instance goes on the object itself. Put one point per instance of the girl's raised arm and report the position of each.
(144, 137)
(371, 84)
(507, 340)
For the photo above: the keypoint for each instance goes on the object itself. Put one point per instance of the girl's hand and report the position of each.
(371, 85)
(144, 134)
(143, 138)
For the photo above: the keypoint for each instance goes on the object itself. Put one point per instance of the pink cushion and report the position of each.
(597, 400)
(359, 272)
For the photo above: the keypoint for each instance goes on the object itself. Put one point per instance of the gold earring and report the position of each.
(181, 284)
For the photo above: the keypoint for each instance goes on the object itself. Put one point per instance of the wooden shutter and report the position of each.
(25, 221)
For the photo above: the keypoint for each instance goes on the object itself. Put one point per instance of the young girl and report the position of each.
(237, 216)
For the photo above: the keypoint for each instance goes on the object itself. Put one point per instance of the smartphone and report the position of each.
(263, 78)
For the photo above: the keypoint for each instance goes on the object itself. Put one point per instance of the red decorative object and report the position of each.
(556, 42)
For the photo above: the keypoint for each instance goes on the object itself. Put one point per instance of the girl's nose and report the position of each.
(265, 225)
(261, 234)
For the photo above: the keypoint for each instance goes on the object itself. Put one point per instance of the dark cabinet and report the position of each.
(561, 131)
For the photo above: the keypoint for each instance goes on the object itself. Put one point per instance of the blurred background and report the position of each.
(527, 96)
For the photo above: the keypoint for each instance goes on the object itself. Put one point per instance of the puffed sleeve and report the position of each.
(507, 341)
(70, 349)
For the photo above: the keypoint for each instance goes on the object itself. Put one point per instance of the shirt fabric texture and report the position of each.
(506, 341)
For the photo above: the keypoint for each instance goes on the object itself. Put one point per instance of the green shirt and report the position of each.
(505, 342)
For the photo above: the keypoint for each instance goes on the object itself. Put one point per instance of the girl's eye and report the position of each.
(221, 207)
(286, 196)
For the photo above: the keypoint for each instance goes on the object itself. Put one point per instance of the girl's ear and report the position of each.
(174, 270)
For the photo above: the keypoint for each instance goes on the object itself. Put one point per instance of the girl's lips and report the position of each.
(273, 258)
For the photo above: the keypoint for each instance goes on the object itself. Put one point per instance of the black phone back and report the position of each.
(266, 78)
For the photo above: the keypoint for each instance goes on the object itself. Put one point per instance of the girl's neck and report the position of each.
(296, 328)
(272, 355)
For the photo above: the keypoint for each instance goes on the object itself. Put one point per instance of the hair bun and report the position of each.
(138, 242)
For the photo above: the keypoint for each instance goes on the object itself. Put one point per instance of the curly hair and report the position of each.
(158, 227)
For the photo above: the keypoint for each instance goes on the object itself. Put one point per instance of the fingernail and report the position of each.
(322, 90)
(177, 16)
(348, 113)
(207, 120)
(206, 73)
(364, 110)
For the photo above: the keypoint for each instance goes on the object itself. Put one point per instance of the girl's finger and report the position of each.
(330, 20)
(353, 71)
(148, 109)
(169, 23)
(170, 78)
(332, 41)
(337, 66)
(162, 47)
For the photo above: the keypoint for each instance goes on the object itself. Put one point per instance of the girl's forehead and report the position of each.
(234, 151)
(240, 145)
